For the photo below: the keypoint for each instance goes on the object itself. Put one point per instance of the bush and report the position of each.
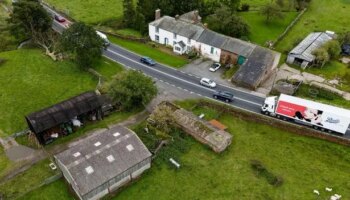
(245, 7)
(2, 61)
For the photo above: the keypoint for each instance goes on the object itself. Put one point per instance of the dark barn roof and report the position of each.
(62, 112)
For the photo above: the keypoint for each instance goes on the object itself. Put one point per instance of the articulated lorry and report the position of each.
(317, 115)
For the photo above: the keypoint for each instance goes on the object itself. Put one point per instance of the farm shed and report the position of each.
(103, 162)
(302, 54)
(256, 68)
(61, 119)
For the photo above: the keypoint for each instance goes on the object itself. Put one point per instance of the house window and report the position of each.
(157, 38)
(188, 41)
(174, 43)
(177, 49)
(157, 30)
(175, 35)
(212, 50)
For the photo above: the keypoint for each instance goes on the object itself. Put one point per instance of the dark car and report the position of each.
(223, 96)
(148, 61)
(59, 18)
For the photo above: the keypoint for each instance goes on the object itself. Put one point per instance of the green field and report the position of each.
(260, 31)
(321, 15)
(90, 11)
(31, 81)
(304, 164)
(155, 53)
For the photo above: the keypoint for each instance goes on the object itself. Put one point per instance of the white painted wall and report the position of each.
(120, 183)
(206, 52)
(139, 171)
(99, 195)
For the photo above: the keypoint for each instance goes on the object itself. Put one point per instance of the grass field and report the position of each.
(304, 163)
(154, 53)
(321, 15)
(261, 32)
(90, 11)
(31, 81)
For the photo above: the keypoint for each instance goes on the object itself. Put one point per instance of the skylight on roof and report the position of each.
(110, 158)
(116, 134)
(97, 144)
(129, 147)
(76, 154)
(89, 170)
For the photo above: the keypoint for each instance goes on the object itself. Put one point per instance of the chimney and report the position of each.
(205, 25)
(157, 14)
(196, 17)
(177, 17)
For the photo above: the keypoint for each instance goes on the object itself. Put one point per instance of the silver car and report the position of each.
(208, 83)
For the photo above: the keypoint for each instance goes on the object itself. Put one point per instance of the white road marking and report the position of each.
(177, 78)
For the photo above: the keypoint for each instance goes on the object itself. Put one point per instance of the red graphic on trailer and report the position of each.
(299, 112)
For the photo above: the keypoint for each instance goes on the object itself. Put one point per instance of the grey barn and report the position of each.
(103, 162)
(302, 54)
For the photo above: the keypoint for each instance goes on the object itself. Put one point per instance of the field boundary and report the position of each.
(283, 125)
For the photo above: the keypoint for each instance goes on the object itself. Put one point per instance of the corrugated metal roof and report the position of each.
(118, 143)
(306, 47)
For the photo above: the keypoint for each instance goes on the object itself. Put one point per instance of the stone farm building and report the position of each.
(103, 162)
(56, 121)
(186, 32)
(302, 54)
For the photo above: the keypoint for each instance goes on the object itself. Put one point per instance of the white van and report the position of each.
(104, 37)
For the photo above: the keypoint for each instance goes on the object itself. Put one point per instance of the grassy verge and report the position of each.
(261, 32)
(129, 32)
(321, 15)
(230, 72)
(153, 52)
(323, 96)
(304, 164)
(27, 180)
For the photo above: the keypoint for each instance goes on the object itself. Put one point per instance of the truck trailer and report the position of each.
(316, 115)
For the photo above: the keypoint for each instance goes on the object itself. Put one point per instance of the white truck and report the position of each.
(317, 115)
(104, 38)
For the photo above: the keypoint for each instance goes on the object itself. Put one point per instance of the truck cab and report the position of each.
(269, 105)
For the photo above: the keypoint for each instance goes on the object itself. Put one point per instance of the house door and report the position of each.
(241, 60)
(166, 41)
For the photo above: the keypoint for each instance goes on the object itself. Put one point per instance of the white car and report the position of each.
(208, 83)
(215, 67)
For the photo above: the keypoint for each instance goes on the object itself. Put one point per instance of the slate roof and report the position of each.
(238, 47)
(313, 41)
(183, 28)
(250, 73)
(112, 142)
(212, 38)
(189, 17)
(63, 112)
(182, 44)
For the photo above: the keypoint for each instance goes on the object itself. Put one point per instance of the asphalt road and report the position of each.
(176, 78)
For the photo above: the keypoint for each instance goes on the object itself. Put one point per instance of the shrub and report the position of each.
(2, 61)
(333, 48)
(245, 7)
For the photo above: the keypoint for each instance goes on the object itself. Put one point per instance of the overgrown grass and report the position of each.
(152, 52)
(322, 96)
(27, 180)
(261, 32)
(129, 32)
(92, 12)
(321, 15)
(304, 164)
(228, 73)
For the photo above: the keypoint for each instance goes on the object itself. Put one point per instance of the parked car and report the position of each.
(59, 18)
(215, 67)
(148, 61)
(223, 96)
(207, 82)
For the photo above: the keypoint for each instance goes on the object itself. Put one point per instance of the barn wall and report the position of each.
(228, 57)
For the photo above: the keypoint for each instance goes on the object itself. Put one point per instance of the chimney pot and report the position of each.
(177, 17)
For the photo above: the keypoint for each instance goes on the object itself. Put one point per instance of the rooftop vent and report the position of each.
(110, 158)
(89, 170)
(97, 144)
(129, 147)
(116, 134)
(76, 154)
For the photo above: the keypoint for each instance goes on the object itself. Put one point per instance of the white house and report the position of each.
(186, 32)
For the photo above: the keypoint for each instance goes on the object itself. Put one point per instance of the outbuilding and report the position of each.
(61, 119)
(302, 54)
(103, 162)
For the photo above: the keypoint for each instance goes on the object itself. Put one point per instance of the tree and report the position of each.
(83, 43)
(321, 56)
(333, 48)
(162, 118)
(128, 13)
(232, 5)
(30, 20)
(229, 24)
(271, 11)
(131, 89)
